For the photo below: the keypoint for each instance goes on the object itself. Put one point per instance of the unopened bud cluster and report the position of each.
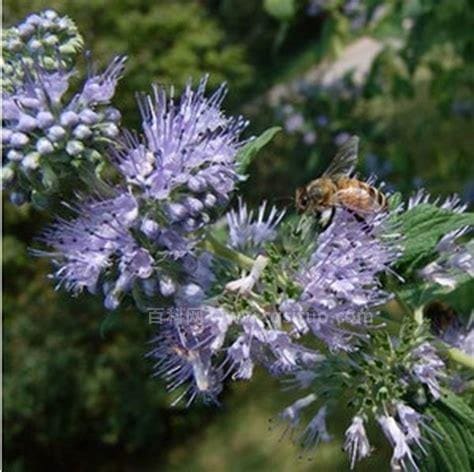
(46, 136)
(46, 37)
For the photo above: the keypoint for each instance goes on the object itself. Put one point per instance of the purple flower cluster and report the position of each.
(111, 246)
(187, 156)
(97, 250)
(455, 260)
(270, 347)
(43, 134)
(339, 283)
(356, 444)
(400, 423)
(181, 170)
(452, 203)
(196, 354)
(400, 442)
(427, 368)
(248, 233)
(150, 236)
(454, 263)
(186, 354)
(403, 430)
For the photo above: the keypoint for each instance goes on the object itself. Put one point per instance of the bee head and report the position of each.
(301, 199)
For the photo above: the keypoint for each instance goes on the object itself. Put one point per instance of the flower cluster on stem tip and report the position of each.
(45, 39)
(47, 137)
(339, 282)
(148, 233)
(186, 158)
(387, 390)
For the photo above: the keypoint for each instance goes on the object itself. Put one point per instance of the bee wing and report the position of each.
(345, 160)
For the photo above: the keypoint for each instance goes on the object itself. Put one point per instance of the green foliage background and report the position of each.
(80, 400)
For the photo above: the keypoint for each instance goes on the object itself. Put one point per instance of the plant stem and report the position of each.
(460, 357)
(212, 245)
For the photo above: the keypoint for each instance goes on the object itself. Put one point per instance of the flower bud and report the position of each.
(82, 132)
(30, 102)
(34, 20)
(150, 286)
(29, 62)
(56, 133)
(50, 14)
(150, 228)
(8, 175)
(74, 148)
(14, 156)
(44, 146)
(194, 205)
(44, 119)
(7, 69)
(17, 198)
(111, 301)
(112, 114)
(63, 24)
(191, 294)
(19, 140)
(197, 184)
(68, 118)
(210, 200)
(191, 224)
(176, 211)
(26, 123)
(89, 117)
(35, 45)
(49, 62)
(47, 24)
(25, 30)
(31, 161)
(167, 286)
(51, 40)
(6, 135)
(14, 45)
(110, 130)
(94, 156)
(68, 48)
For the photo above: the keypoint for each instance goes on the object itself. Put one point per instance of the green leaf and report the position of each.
(454, 456)
(449, 435)
(422, 227)
(49, 178)
(458, 407)
(419, 293)
(250, 150)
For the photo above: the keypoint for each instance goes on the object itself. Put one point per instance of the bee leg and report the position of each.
(366, 226)
(357, 216)
(325, 217)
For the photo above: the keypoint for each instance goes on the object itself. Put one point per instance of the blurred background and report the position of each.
(400, 74)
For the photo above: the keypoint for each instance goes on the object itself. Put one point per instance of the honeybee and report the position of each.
(336, 187)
